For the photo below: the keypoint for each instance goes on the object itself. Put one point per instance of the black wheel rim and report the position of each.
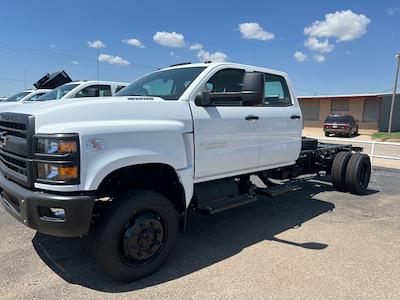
(142, 238)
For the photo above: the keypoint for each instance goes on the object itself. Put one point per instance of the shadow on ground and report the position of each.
(208, 240)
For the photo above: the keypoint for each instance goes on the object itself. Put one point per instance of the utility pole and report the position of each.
(394, 92)
(97, 62)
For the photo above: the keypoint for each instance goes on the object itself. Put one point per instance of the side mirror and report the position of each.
(253, 88)
(203, 99)
(252, 93)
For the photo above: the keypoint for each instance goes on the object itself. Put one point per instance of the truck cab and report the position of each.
(130, 166)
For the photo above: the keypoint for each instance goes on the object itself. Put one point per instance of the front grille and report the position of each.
(16, 138)
(13, 129)
(14, 163)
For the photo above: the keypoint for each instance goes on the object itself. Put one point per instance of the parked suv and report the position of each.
(344, 125)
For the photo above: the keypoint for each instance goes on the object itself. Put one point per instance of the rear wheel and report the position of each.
(326, 133)
(136, 236)
(338, 173)
(358, 174)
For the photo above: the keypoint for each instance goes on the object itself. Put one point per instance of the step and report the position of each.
(277, 189)
(227, 203)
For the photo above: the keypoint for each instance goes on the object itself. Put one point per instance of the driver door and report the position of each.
(226, 136)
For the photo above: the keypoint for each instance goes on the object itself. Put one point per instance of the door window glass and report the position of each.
(276, 91)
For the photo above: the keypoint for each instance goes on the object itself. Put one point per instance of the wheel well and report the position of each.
(160, 178)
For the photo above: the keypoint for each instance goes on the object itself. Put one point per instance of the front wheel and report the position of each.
(136, 235)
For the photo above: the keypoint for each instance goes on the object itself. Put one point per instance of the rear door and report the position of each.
(281, 124)
(226, 138)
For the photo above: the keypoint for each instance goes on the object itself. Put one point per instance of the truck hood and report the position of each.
(76, 115)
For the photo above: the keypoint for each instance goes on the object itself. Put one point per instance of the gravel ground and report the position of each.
(314, 243)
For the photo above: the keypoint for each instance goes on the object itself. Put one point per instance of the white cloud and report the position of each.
(75, 62)
(133, 42)
(300, 56)
(113, 60)
(343, 25)
(319, 58)
(196, 46)
(95, 44)
(255, 31)
(207, 56)
(169, 39)
(52, 46)
(314, 44)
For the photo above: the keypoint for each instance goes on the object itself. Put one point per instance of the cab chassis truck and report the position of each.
(127, 169)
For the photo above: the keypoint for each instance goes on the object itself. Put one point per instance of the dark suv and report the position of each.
(345, 125)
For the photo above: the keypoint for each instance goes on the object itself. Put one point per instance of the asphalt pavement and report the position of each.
(314, 243)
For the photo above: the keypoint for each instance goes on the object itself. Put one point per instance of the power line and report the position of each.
(14, 79)
(55, 53)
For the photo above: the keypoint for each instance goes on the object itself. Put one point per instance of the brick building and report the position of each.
(372, 110)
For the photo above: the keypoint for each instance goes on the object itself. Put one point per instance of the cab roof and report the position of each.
(227, 64)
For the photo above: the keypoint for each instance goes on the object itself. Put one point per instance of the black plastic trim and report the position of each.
(26, 208)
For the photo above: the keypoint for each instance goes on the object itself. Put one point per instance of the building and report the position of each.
(371, 110)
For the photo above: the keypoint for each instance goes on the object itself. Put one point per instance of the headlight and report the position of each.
(57, 172)
(56, 146)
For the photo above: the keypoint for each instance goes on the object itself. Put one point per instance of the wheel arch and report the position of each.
(160, 177)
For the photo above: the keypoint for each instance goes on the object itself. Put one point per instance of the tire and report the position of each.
(326, 133)
(308, 143)
(338, 173)
(136, 235)
(358, 174)
(349, 134)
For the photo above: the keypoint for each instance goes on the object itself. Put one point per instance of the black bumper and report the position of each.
(32, 208)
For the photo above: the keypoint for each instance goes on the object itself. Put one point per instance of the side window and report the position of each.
(94, 91)
(276, 91)
(226, 81)
(35, 97)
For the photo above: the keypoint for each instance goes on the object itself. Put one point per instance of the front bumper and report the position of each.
(32, 208)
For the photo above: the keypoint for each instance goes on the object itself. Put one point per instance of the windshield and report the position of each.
(17, 97)
(336, 119)
(167, 84)
(57, 93)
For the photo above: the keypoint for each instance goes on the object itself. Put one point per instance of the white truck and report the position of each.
(128, 168)
(27, 95)
(84, 89)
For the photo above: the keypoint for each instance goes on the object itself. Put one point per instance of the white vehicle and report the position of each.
(21, 97)
(130, 167)
(84, 89)
(28, 95)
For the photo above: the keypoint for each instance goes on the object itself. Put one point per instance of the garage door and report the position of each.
(310, 109)
(372, 110)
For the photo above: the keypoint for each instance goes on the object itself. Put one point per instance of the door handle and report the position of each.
(295, 117)
(251, 118)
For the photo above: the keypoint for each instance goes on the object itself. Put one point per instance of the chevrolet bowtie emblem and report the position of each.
(3, 138)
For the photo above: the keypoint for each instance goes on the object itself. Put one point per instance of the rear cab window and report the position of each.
(276, 91)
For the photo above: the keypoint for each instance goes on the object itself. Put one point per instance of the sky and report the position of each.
(326, 47)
